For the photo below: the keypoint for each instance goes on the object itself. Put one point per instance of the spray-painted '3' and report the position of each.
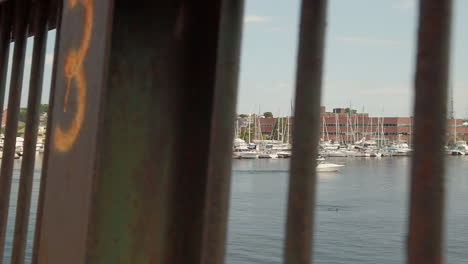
(64, 138)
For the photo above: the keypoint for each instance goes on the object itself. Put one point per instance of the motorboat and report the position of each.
(267, 155)
(457, 152)
(336, 153)
(400, 149)
(248, 155)
(284, 154)
(461, 148)
(323, 166)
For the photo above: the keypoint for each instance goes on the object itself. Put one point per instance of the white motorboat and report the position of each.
(248, 155)
(239, 147)
(336, 153)
(375, 154)
(457, 152)
(327, 167)
(461, 148)
(284, 154)
(266, 155)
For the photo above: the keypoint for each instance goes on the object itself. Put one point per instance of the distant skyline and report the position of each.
(369, 57)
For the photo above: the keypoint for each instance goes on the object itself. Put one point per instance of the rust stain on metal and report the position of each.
(74, 72)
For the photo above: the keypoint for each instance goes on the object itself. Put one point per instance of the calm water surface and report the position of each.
(361, 211)
(12, 211)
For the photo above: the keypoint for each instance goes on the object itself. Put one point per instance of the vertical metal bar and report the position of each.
(21, 25)
(40, 205)
(222, 129)
(5, 39)
(68, 170)
(302, 181)
(159, 193)
(31, 130)
(425, 236)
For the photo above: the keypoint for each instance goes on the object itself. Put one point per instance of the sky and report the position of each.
(27, 70)
(369, 57)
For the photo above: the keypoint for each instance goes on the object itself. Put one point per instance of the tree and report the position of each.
(243, 115)
(44, 108)
(268, 114)
(22, 115)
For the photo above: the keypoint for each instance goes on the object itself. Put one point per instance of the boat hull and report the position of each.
(329, 167)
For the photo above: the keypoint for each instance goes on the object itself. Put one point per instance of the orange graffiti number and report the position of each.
(64, 138)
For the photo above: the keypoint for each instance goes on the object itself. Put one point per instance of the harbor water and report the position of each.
(360, 214)
(361, 211)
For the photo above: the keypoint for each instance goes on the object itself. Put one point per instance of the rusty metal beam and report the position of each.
(125, 183)
(31, 130)
(5, 38)
(42, 187)
(302, 179)
(158, 193)
(222, 132)
(66, 187)
(425, 237)
(22, 8)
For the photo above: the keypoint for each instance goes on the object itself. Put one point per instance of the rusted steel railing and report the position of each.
(57, 6)
(40, 29)
(21, 11)
(222, 128)
(5, 39)
(425, 238)
(302, 181)
(124, 189)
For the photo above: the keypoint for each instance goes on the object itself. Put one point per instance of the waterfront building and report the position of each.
(346, 126)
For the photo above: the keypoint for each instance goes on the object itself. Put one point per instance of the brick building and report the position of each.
(268, 127)
(348, 126)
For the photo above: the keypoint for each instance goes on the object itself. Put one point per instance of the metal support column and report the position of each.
(306, 134)
(5, 39)
(129, 154)
(22, 8)
(425, 237)
(30, 138)
(222, 133)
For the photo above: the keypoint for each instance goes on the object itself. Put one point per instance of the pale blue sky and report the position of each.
(27, 70)
(370, 51)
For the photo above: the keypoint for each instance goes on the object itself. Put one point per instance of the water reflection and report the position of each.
(360, 214)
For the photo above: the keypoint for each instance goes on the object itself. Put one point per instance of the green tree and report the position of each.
(44, 108)
(243, 115)
(22, 114)
(268, 114)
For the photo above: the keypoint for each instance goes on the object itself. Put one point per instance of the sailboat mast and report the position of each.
(323, 129)
(282, 130)
(250, 121)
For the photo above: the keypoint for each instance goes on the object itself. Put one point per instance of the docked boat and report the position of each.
(336, 153)
(248, 155)
(461, 148)
(400, 149)
(267, 155)
(457, 152)
(284, 154)
(239, 147)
